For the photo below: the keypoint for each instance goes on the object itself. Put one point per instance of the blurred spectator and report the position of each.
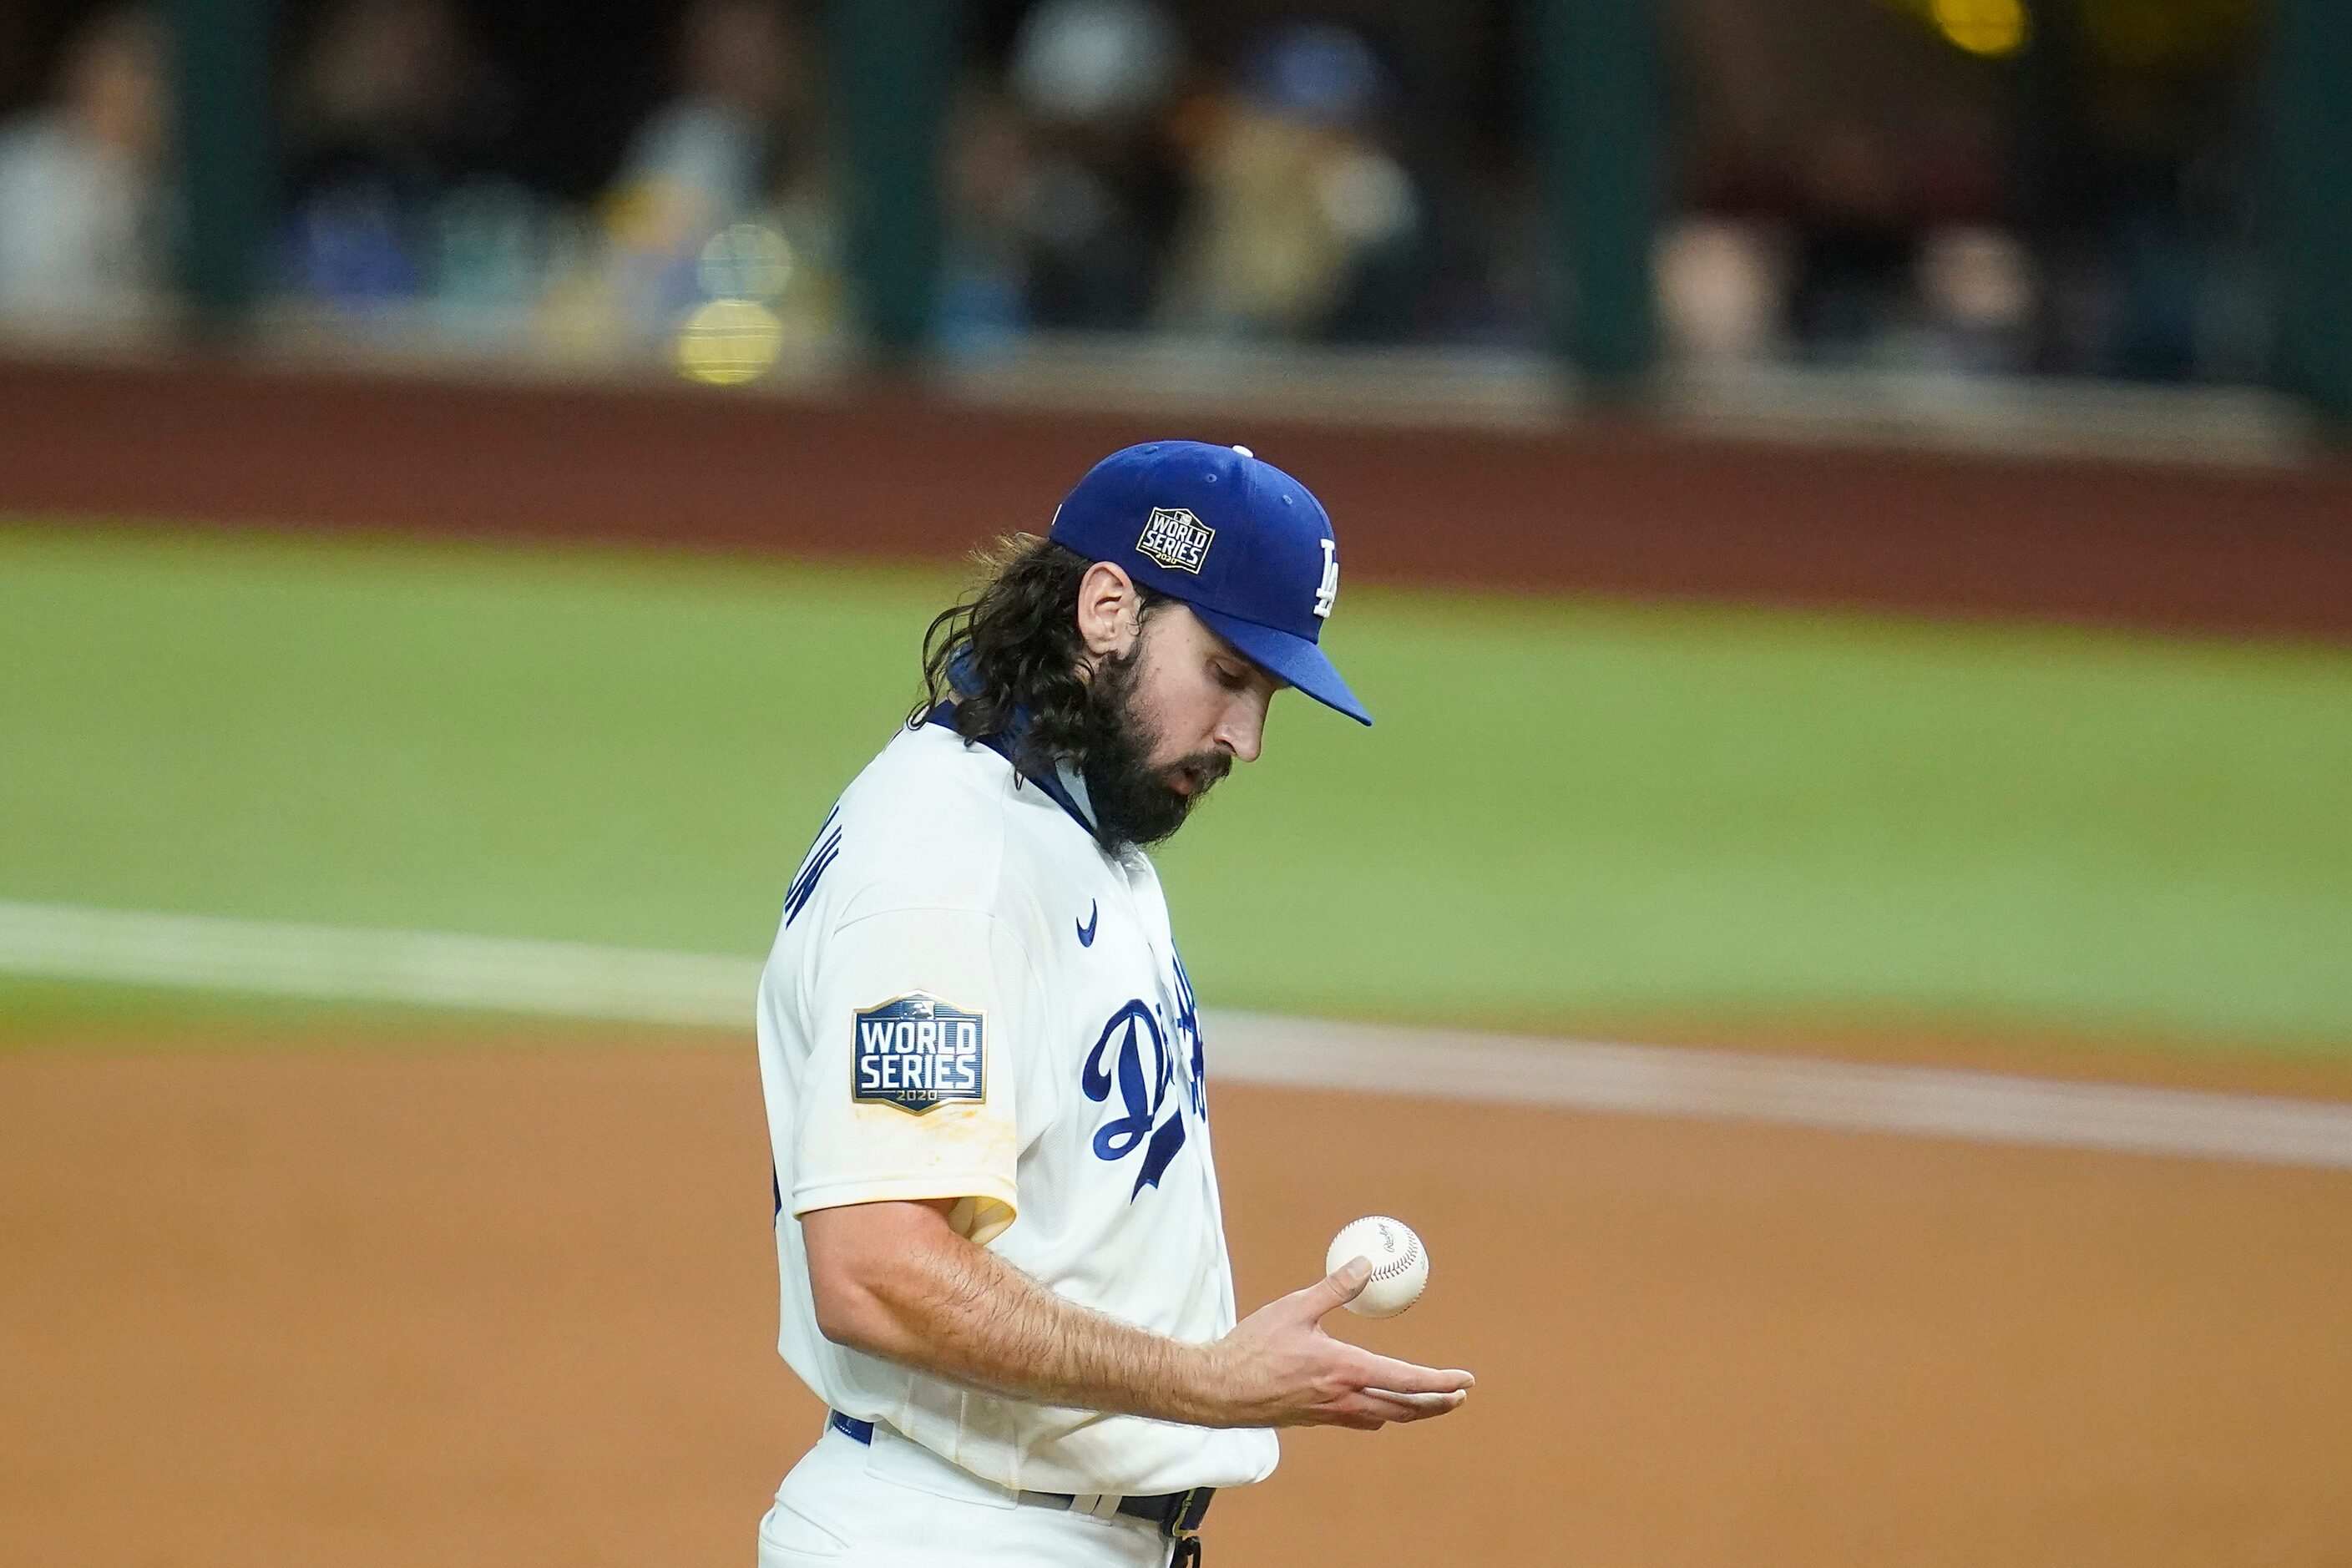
(1063, 189)
(392, 111)
(81, 180)
(983, 295)
(737, 142)
(2136, 154)
(1098, 202)
(1857, 243)
(1301, 225)
(1978, 287)
(1719, 291)
(710, 154)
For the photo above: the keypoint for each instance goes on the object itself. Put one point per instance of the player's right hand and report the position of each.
(1278, 1368)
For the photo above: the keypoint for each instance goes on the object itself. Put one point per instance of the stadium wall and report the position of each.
(1616, 507)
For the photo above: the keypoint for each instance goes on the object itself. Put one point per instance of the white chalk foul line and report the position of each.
(1733, 1086)
(632, 984)
(336, 963)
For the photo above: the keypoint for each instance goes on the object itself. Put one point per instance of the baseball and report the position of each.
(1400, 1264)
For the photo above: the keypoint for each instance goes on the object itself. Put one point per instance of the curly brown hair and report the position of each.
(1008, 655)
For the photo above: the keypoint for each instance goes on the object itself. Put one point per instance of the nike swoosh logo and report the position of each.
(1094, 919)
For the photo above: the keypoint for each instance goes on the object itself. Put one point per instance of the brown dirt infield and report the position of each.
(488, 1307)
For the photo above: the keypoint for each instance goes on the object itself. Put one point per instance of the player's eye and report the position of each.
(1229, 678)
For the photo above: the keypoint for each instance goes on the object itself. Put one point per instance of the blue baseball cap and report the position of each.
(1239, 541)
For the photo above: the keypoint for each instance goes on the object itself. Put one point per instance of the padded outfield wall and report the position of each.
(1619, 508)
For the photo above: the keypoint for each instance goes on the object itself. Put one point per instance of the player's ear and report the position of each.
(1110, 610)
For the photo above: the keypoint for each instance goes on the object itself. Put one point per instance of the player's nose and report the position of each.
(1241, 730)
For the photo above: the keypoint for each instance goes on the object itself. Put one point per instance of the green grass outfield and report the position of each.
(1569, 811)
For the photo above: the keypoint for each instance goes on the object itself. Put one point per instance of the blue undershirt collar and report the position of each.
(1066, 789)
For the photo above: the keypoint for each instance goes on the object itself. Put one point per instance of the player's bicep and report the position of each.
(909, 1093)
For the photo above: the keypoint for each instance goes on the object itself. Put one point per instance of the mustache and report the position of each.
(1206, 769)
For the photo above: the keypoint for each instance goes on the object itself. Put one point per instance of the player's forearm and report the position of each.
(960, 1312)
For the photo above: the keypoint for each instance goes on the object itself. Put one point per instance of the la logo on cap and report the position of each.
(1176, 539)
(1328, 593)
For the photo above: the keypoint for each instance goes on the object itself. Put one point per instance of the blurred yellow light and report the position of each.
(1988, 27)
(727, 342)
(745, 261)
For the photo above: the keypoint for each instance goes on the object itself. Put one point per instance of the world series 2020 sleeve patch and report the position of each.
(917, 1053)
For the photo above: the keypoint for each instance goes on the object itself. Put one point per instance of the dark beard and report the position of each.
(1133, 803)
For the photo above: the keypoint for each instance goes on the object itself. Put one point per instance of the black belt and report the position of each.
(1177, 1515)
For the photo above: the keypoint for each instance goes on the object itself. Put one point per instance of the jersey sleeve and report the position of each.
(918, 1018)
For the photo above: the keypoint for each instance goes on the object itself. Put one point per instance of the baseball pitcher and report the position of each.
(1002, 1259)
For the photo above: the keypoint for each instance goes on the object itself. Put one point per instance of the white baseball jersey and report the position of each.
(968, 999)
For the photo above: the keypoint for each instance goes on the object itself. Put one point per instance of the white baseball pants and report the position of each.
(895, 1504)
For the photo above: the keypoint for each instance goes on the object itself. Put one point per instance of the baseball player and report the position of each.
(1002, 1259)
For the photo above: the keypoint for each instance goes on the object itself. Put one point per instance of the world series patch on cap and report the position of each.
(917, 1053)
(1249, 548)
